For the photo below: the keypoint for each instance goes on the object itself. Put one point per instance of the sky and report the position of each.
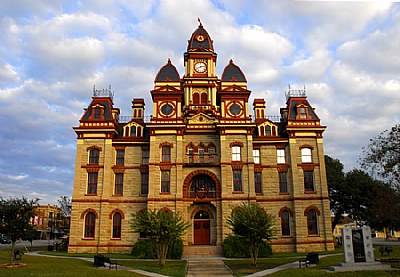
(52, 53)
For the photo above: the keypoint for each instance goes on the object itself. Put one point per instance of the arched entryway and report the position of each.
(201, 226)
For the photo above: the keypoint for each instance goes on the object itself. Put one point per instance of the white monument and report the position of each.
(358, 250)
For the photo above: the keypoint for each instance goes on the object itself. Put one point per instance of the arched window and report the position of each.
(196, 99)
(133, 131)
(312, 222)
(90, 223)
(191, 154)
(117, 220)
(267, 130)
(94, 156)
(285, 223)
(203, 100)
(139, 131)
(201, 154)
(202, 187)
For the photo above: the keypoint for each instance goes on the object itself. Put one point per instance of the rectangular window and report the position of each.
(94, 155)
(236, 153)
(257, 182)
(119, 183)
(281, 159)
(145, 156)
(92, 183)
(306, 156)
(191, 155)
(120, 156)
(144, 183)
(256, 156)
(283, 182)
(309, 181)
(165, 182)
(237, 180)
(166, 154)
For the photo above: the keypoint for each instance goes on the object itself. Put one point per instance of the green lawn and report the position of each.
(69, 265)
(243, 267)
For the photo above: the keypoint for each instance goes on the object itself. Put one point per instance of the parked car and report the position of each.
(4, 240)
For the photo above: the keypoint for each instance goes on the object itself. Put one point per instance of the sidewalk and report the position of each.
(213, 266)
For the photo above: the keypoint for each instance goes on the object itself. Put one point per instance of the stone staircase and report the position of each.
(202, 251)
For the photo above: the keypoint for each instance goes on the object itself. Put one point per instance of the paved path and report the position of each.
(213, 266)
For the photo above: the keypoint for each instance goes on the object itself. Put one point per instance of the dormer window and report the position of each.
(302, 112)
(133, 131)
(97, 113)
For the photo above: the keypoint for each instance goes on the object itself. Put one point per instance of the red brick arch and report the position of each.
(283, 209)
(115, 211)
(83, 214)
(202, 208)
(189, 178)
(312, 207)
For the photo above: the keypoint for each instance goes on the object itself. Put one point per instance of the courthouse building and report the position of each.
(201, 153)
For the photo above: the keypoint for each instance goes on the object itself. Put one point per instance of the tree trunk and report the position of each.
(162, 250)
(12, 252)
(254, 254)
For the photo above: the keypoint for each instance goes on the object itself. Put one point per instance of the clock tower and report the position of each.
(200, 81)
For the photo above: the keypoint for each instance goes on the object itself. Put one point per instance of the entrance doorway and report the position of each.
(201, 226)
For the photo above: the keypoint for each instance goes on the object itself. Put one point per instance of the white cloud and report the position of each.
(53, 52)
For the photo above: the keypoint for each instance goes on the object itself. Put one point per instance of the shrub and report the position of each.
(235, 247)
(146, 249)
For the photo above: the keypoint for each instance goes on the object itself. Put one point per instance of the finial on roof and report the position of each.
(231, 61)
(169, 61)
(198, 19)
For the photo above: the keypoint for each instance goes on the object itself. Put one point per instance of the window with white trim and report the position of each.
(236, 153)
(281, 158)
(256, 156)
(306, 155)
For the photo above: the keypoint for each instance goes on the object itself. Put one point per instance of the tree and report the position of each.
(162, 227)
(252, 224)
(15, 219)
(337, 188)
(66, 207)
(382, 155)
(385, 212)
(361, 189)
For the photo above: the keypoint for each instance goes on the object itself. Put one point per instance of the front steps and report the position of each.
(202, 251)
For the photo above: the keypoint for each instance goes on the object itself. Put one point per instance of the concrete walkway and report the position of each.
(212, 266)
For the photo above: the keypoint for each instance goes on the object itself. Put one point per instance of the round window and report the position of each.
(167, 109)
(235, 109)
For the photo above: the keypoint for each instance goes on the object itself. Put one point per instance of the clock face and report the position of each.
(200, 38)
(167, 109)
(200, 67)
(235, 109)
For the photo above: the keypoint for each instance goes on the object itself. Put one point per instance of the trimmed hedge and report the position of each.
(146, 249)
(235, 247)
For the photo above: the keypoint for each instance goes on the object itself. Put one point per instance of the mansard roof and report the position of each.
(200, 40)
(233, 73)
(168, 73)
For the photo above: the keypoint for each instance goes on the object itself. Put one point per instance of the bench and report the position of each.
(387, 249)
(101, 260)
(18, 254)
(311, 258)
